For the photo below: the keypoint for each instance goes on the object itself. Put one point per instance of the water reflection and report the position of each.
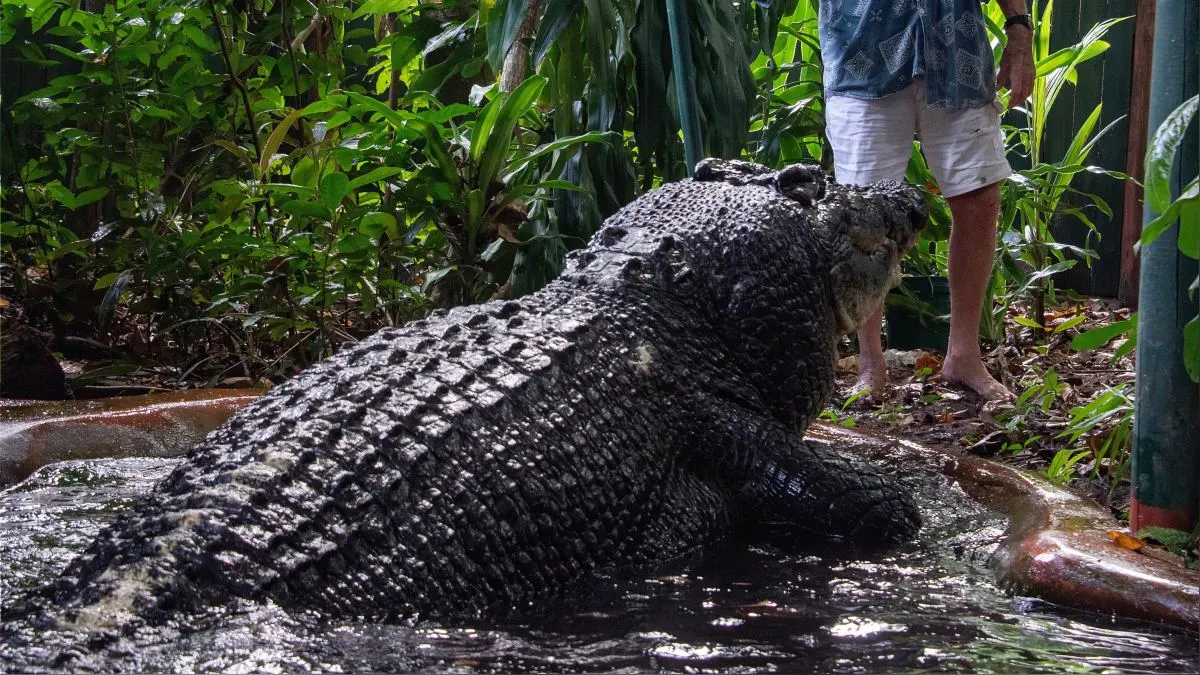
(750, 607)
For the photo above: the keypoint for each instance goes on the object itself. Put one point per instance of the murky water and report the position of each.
(749, 607)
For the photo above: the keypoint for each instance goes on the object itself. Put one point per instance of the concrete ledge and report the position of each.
(155, 425)
(1056, 546)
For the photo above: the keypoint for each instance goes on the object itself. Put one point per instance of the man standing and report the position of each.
(899, 68)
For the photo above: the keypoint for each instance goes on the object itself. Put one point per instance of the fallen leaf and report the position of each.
(1125, 540)
(507, 234)
(928, 360)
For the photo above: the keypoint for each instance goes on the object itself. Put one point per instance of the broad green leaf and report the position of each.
(1189, 220)
(275, 140)
(492, 249)
(334, 188)
(375, 223)
(355, 243)
(394, 117)
(1191, 348)
(1091, 339)
(374, 176)
(76, 56)
(88, 196)
(70, 247)
(1027, 322)
(434, 277)
(1069, 323)
(336, 120)
(499, 136)
(304, 172)
(481, 133)
(307, 209)
(446, 113)
(553, 146)
(555, 19)
(1055, 61)
(236, 151)
(286, 188)
(107, 280)
(1126, 348)
(201, 39)
(435, 147)
(1160, 156)
(333, 102)
(380, 7)
(503, 24)
(1190, 199)
(526, 191)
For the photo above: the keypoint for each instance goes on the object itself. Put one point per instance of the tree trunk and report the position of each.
(516, 61)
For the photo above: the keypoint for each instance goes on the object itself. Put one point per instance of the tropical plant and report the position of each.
(1034, 197)
(1185, 209)
(1104, 427)
(788, 125)
(1063, 466)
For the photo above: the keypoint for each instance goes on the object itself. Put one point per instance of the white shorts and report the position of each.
(872, 140)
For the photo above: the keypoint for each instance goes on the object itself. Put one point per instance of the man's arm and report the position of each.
(1016, 64)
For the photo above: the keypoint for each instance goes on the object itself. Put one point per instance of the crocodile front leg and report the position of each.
(811, 486)
(783, 479)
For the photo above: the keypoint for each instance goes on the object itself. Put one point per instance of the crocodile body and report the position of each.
(636, 408)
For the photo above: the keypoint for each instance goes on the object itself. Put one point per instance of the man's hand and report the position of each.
(1016, 65)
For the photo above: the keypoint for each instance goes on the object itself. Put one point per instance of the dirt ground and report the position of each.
(1027, 433)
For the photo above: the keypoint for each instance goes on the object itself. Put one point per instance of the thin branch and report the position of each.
(237, 82)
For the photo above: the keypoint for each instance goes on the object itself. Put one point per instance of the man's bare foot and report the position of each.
(974, 376)
(872, 379)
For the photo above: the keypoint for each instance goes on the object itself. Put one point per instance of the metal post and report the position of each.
(1166, 431)
(685, 84)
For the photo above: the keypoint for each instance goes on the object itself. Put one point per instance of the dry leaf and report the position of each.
(1125, 540)
(507, 234)
(928, 360)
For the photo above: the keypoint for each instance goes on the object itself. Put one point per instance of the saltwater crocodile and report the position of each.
(649, 399)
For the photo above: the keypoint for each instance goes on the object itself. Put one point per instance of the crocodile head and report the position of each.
(868, 233)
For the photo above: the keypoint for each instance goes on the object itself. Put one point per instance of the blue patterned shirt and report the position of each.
(872, 48)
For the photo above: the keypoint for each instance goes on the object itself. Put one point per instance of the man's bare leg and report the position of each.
(872, 369)
(972, 251)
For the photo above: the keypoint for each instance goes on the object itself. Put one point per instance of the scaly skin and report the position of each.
(628, 413)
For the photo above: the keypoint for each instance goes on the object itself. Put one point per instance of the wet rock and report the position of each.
(28, 369)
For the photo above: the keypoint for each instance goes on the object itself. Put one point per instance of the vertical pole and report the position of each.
(1166, 428)
(1139, 108)
(685, 83)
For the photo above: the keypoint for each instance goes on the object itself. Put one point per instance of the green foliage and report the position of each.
(1104, 426)
(1185, 209)
(229, 175)
(1063, 466)
(249, 184)
(1097, 337)
(1042, 391)
(1179, 542)
(1033, 198)
(788, 125)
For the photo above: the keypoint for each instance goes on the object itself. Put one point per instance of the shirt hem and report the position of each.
(869, 96)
